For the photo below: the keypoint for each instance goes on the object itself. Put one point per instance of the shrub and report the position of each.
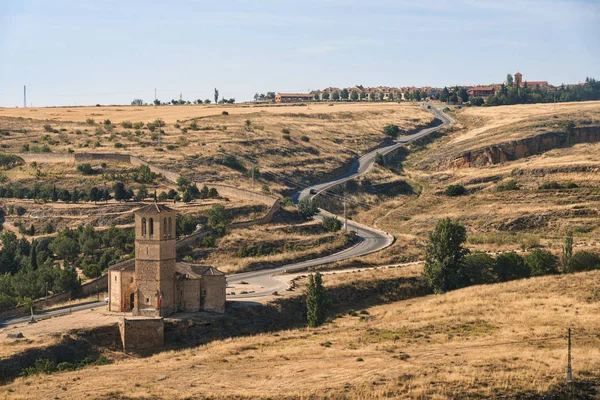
(331, 224)
(285, 131)
(224, 113)
(510, 266)
(511, 184)
(379, 160)
(138, 125)
(391, 130)
(48, 128)
(287, 137)
(541, 262)
(107, 122)
(86, 169)
(477, 269)
(208, 241)
(307, 209)
(305, 138)
(90, 121)
(455, 190)
(8, 161)
(583, 261)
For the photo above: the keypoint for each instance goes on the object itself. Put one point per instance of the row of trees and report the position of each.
(449, 265)
(511, 93)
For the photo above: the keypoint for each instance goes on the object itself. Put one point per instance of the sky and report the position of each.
(86, 52)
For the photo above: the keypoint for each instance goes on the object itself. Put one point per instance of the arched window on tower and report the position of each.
(165, 231)
(151, 226)
(170, 227)
(143, 226)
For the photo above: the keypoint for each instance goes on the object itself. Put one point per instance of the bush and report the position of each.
(224, 113)
(138, 125)
(307, 209)
(305, 138)
(511, 184)
(126, 124)
(86, 169)
(510, 266)
(477, 269)
(391, 130)
(331, 224)
(208, 241)
(541, 262)
(90, 121)
(287, 137)
(583, 261)
(285, 131)
(455, 190)
(379, 160)
(48, 128)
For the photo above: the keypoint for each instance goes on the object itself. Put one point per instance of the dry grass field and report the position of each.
(496, 341)
(496, 219)
(301, 142)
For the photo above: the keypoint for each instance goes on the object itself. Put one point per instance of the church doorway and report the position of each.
(131, 301)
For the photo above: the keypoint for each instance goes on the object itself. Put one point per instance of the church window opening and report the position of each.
(143, 226)
(165, 231)
(151, 226)
(170, 227)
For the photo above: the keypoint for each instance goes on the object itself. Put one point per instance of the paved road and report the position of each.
(51, 313)
(371, 239)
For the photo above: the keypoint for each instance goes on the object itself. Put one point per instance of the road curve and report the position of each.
(370, 239)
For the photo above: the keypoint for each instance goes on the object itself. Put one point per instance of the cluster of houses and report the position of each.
(386, 93)
(379, 93)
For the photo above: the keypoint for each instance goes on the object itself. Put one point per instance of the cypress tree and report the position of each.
(316, 301)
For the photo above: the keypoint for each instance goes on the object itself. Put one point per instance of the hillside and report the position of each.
(510, 203)
(497, 341)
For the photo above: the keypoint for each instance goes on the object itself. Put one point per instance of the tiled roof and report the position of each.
(191, 271)
(154, 208)
(128, 265)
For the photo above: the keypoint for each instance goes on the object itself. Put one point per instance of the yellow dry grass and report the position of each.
(172, 114)
(483, 341)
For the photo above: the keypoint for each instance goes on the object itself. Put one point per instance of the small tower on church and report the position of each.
(155, 259)
(518, 79)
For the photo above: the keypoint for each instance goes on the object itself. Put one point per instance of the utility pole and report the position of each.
(569, 371)
(154, 97)
(345, 218)
(24, 96)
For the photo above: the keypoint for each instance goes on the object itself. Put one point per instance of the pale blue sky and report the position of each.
(77, 52)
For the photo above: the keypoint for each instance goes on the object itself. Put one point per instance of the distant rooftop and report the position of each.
(154, 208)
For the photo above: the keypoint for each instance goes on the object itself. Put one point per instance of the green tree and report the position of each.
(344, 94)
(331, 224)
(583, 261)
(316, 301)
(567, 250)
(216, 96)
(68, 281)
(354, 95)
(391, 130)
(218, 218)
(444, 254)
(325, 96)
(509, 80)
(444, 95)
(335, 96)
(119, 192)
(541, 262)
(379, 160)
(65, 247)
(477, 269)
(462, 93)
(316, 96)
(510, 266)
(307, 208)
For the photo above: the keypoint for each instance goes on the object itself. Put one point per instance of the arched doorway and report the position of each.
(131, 301)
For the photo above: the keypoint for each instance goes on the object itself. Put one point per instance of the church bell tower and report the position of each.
(155, 258)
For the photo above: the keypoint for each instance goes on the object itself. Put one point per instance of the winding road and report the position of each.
(267, 282)
(371, 239)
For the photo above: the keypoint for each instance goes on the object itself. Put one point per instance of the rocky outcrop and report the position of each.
(514, 150)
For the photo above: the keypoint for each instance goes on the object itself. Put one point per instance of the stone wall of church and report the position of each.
(213, 293)
(189, 295)
(142, 334)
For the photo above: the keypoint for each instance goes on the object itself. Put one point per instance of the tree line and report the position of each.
(449, 265)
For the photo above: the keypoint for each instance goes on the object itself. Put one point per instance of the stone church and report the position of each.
(154, 284)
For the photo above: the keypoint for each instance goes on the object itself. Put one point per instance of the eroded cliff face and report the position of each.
(517, 149)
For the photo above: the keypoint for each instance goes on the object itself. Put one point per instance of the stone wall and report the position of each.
(213, 293)
(189, 295)
(142, 334)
